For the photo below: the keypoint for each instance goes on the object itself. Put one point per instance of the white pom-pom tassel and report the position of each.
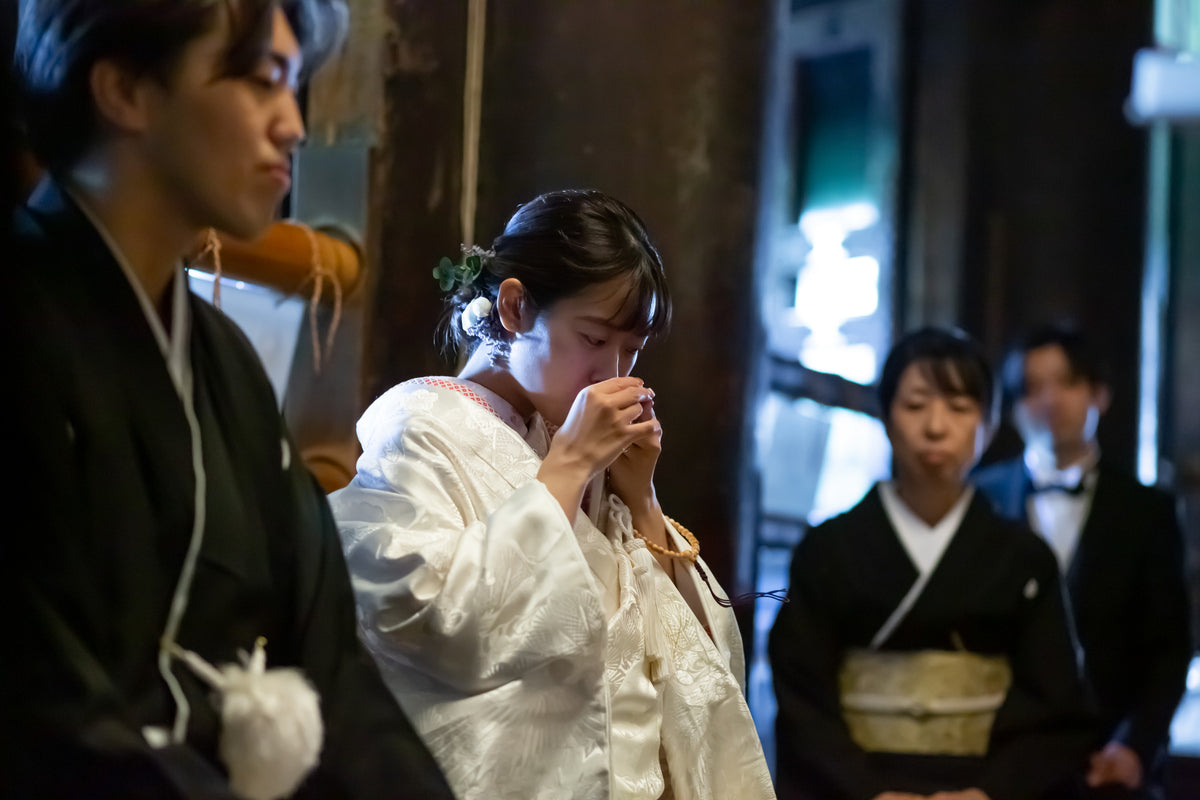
(474, 313)
(271, 728)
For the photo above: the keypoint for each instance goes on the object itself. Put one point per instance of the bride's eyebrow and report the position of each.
(595, 320)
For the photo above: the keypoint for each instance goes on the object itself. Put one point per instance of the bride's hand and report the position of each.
(632, 472)
(602, 422)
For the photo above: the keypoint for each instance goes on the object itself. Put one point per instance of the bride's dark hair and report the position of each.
(558, 245)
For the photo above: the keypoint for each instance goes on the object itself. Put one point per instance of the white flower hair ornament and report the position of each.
(453, 277)
(474, 314)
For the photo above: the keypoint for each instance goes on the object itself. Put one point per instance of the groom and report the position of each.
(155, 501)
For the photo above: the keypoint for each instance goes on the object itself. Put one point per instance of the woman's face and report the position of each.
(574, 344)
(936, 437)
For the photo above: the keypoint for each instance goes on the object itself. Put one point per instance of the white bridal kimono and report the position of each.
(536, 660)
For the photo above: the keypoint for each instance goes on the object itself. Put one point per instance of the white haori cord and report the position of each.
(271, 726)
(183, 587)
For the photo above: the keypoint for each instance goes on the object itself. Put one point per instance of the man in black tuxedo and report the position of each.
(1120, 548)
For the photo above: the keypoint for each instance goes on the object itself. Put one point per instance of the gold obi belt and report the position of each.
(930, 702)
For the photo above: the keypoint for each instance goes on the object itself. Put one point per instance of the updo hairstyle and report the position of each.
(557, 245)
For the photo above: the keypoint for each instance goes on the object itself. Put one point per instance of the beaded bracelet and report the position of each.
(689, 555)
(694, 554)
(686, 555)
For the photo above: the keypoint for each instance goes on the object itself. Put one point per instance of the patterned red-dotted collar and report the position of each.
(499, 407)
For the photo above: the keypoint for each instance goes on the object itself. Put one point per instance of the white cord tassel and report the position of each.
(643, 570)
(271, 728)
(621, 520)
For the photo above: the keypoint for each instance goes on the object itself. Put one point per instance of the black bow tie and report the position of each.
(1067, 488)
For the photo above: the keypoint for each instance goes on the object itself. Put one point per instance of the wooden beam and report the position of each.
(288, 257)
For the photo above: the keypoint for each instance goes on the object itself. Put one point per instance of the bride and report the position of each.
(549, 631)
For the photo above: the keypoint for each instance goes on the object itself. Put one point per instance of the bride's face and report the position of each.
(580, 340)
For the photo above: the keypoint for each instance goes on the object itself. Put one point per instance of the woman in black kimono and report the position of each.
(926, 650)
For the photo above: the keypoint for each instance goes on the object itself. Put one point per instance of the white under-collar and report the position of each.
(924, 543)
(534, 431)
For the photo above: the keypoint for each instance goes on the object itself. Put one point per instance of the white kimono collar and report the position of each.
(926, 544)
(535, 432)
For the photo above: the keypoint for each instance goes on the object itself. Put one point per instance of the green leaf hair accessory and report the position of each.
(454, 277)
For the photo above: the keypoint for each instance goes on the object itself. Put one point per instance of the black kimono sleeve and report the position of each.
(371, 749)
(815, 757)
(1165, 634)
(68, 729)
(1042, 732)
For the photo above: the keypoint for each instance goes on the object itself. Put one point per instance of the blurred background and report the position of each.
(819, 175)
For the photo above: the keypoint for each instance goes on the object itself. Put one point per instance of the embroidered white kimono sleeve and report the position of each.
(508, 636)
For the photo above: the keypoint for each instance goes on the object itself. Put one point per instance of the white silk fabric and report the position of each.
(518, 644)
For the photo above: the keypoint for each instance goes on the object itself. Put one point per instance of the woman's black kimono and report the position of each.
(100, 505)
(996, 591)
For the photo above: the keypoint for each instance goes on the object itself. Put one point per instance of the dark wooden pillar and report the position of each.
(1026, 173)
(658, 104)
(415, 186)
(938, 160)
(383, 159)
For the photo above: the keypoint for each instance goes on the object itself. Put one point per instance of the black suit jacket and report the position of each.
(97, 521)
(1128, 594)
